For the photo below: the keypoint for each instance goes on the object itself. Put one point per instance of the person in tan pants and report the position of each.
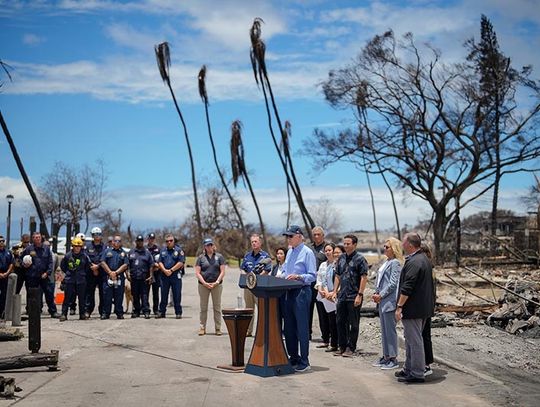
(210, 271)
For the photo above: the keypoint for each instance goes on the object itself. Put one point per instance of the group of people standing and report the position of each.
(334, 280)
(333, 277)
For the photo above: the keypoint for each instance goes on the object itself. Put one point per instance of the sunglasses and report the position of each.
(169, 241)
(117, 240)
(2, 241)
(386, 247)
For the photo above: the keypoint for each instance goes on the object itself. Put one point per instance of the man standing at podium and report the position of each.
(299, 265)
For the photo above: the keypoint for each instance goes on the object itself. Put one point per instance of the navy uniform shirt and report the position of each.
(6, 258)
(350, 270)
(115, 258)
(42, 261)
(251, 260)
(75, 267)
(140, 262)
(94, 252)
(210, 266)
(170, 257)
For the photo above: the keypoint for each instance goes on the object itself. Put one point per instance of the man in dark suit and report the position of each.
(414, 306)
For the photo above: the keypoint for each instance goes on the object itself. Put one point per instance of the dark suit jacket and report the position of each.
(416, 281)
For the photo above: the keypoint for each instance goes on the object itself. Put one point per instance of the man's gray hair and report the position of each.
(414, 239)
(318, 229)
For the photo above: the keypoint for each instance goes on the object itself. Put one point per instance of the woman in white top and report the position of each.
(325, 306)
(386, 293)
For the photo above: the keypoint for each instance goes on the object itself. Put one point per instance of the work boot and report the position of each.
(146, 316)
(202, 331)
(55, 315)
(71, 312)
(63, 318)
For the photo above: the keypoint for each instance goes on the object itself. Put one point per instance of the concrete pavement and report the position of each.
(164, 362)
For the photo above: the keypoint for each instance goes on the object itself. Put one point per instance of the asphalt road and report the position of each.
(164, 362)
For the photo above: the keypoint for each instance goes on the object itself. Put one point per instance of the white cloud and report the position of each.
(32, 39)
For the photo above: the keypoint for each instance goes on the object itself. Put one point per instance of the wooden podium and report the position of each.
(268, 357)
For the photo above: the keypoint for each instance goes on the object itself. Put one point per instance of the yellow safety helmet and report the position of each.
(77, 242)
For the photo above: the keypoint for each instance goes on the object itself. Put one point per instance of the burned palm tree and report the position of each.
(204, 96)
(163, 58)
(42, 225)
(238, 166)
(258, 63)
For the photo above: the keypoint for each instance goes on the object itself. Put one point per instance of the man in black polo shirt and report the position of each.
(350, 283)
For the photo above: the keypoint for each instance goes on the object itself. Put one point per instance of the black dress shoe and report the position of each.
(55, 315)
(159, 316)
(104, 317)
(71, 312)
(134, 315)
(120, 316)
(178, 316)
(401, 373)
(83, 317)
(411, 379)
(146, 316)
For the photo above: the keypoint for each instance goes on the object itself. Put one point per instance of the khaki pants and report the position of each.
(251, 302)
(204, 293)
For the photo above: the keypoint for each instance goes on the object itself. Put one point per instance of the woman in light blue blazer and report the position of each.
(386, 294)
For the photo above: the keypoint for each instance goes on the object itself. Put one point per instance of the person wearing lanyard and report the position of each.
(299, 265)
(171, 261)
(114, 263)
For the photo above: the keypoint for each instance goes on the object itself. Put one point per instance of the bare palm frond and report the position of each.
(238, 165)
(285, 137)
(6, 69)
(202, 85)
(163, 58)
(258, 50)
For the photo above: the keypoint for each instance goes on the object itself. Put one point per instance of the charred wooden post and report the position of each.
(49, 360)
(34, 319)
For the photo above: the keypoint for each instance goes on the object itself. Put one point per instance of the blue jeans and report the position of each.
(296, 316)
(173, 283)
(113, 292)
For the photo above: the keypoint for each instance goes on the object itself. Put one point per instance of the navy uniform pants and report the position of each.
(296, 316)
(139, 291)
(116, 293)
(174, 283)
(73, 291)
(93, 282)
(155, 291)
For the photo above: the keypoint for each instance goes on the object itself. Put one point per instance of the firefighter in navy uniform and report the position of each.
(38, 272)
(76, 267)
(94, 250)
(6, 267)
(171, 261)
(141, 263)
(17, 252)
(154, 287)
(114, 262)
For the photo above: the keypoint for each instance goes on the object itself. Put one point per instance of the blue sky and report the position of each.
(86, 87)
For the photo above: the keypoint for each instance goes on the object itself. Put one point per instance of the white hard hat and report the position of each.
(81, 236)
(96, 231)
(27, 260)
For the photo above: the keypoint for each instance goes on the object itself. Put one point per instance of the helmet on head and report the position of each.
(81, 236)
(77, 242)
(96, 231)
